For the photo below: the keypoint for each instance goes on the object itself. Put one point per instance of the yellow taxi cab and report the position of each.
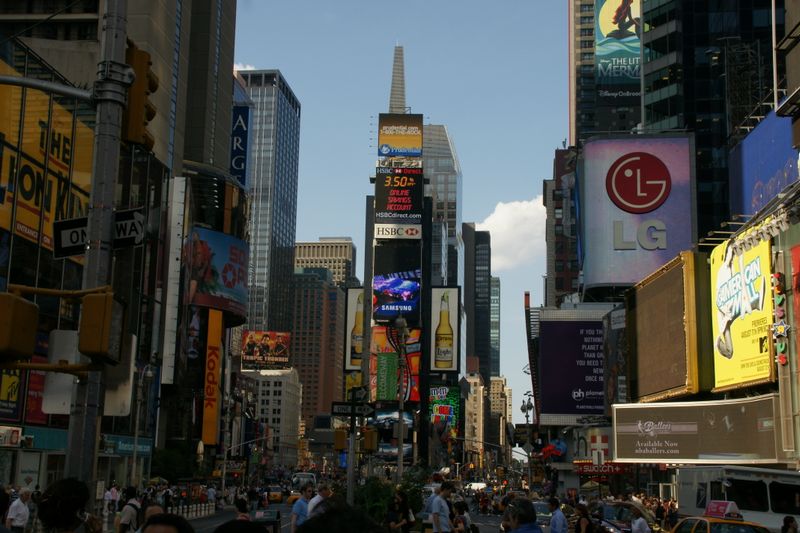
(719, 517)
(293, 497)
(275, 494)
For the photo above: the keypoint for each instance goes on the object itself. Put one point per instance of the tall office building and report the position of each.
(275, 137)
(337, 254)
(475, 420)
(477, 295)
(278, 406)
(706, 69)
(561, 235)
(500, 401)
(494, 327)
(318, 339)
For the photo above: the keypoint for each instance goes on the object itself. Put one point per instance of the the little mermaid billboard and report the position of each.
(617, 27)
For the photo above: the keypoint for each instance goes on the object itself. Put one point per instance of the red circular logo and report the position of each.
(638, 183)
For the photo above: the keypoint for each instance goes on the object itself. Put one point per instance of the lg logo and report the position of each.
(638, 183)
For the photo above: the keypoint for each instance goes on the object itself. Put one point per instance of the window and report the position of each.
(748, 495)
(785, 498)
(686, 526)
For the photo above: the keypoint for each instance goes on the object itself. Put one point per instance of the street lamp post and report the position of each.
(527, 409)
(145, 373)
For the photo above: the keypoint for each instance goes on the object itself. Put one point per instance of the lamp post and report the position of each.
(527, 409)
(146, 373)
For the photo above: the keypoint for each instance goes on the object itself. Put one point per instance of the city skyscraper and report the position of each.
(561, 235)
(275, 135)
(494, 328)
(477, 295)
(337, 254)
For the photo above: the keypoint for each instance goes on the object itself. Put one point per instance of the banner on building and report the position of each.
(384, 368)
(399, 135)
(399, 194)
(212, 384)
(397, 275)
(354, 329)
(743, 431)
(265, 350)
(240, 140)
(617, 30)
(741, 317)
(444, 342)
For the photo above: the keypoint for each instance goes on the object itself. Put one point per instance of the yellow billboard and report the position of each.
(741, 305)
(45, 162)
(399, 135)
(213, 375)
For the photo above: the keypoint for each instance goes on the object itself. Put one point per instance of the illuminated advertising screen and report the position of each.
(741, 317)
(217, 266)
(265, 350)
(397, 273)
(399, 135)
(571, 366)
(40, 182)
(617, 30)
(384, 421)
(637, 206)
(384, 368)
(354, 329)
(444, 343)
(762, 165)
(399, 197)
(742, 431)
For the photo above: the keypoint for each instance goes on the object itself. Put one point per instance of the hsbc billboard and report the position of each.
(398, 231)
(637, 205)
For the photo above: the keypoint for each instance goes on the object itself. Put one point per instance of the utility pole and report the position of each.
(110, 90)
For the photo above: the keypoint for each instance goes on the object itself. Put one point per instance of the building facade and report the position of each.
(477, 295)
(278, 406)
(275, 153)
(475, 420)
(337, 254)
(561, 234)
(494, 328)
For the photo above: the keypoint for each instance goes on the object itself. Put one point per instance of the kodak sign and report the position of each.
(211, 383)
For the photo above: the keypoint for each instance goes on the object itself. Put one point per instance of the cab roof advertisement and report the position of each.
(743, 431)
(399, 135)
(741, 302)
(637, 206)
(217, 271)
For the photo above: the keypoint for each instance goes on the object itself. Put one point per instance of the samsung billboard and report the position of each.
(637, 205)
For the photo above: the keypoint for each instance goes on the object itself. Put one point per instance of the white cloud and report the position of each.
(243, 66)
(517, 230)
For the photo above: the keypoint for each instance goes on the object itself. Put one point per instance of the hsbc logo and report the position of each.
(398, 231)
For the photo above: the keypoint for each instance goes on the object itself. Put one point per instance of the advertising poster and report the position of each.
(212, 378)
(41, 196)
(617, 29)
(385, 421)
(397, 273)
(12, 392)
(384, 366)
(217, 271)
(762, 165)
(637, 206)
(354, 329)
(742, 431)
(615, 358)
(571, 367)
(265, 350)
(33, 405)
(399, 135)
(741, 318)
(240, 140)
(399, 194)
(444, 341)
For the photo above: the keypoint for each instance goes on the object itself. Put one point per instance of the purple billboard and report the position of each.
(762, 165)
(637, 205)
(571, 367)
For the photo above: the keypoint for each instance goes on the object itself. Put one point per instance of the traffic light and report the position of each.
(100, 328)
(19, 319)
(340, 439)
(139, 111)
(370, 440)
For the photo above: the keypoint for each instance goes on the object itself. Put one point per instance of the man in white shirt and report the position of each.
(638, 524)
(323, 493)
(17, 517)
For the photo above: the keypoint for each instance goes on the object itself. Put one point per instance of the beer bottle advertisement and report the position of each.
(354, 343)
(444, 349)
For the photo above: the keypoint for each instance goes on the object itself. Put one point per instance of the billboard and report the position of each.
(217, 271)
(743, 431)
(265, 350)
(384, 369)
(444, 342)
(384, 422)
(212, 381)
(397, 274)
(399, 194)
(641, 189)
(615, 358)
(571, 365)
(399, 135)
(669, 330)
(45, 162)
(240, 137)
(741, 301)
(444, 411)
(354, 329)
(617, 30)
(762, 165)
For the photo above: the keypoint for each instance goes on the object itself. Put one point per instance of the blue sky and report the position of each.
(494, 72)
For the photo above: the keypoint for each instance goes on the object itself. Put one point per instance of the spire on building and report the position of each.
(397, 98)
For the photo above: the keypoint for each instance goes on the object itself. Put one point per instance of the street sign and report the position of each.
(69, 236)
(359, 394)
(349, 409)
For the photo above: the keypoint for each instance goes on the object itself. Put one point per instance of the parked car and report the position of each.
(275, 494)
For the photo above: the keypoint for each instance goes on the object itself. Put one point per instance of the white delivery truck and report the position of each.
(763, 495)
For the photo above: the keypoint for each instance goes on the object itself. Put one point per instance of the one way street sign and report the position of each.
(349, 409)
(69, 236)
